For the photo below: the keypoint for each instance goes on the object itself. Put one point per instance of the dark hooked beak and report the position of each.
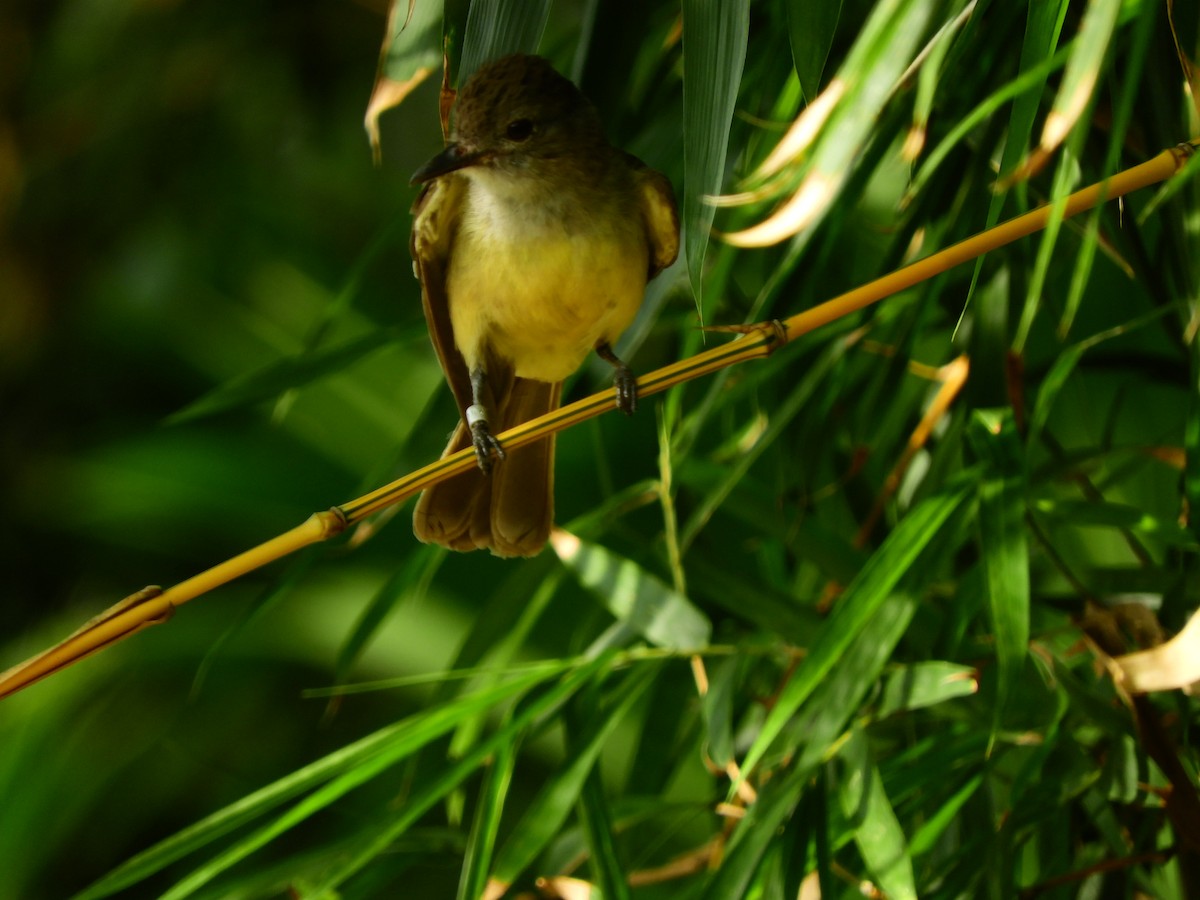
(451, 159)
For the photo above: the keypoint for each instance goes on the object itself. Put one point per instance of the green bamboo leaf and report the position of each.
(755, 832)
(936, 55)
(597, 822)
(1019, 88)
(481, 847)
(714, 43)
(886, 46)
(860, 602)
(811, 27)
(412, 51)
(1051, 386)
(1120, 776)
(497, 29)
(833, 704)
(417, 570)
(544, 818)
(360, 760)
(842, 692)
(1086, 514)
(436, 789)
(1003, 540)
(926, 684)
(1082, 71)
(1043, 29)
(717, 707)
(877, 831)
(498, 634)
(780, 419)
(278, 377)
(642, 602)
(943, 815)
(414, 39)
(1131, 77)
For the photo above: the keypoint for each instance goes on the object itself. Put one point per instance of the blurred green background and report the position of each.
(185, 189)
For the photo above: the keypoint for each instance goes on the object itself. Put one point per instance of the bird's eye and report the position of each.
(519, 129)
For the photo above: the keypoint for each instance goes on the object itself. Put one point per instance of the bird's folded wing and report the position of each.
(435, 221)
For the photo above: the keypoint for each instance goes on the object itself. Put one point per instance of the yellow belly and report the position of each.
(541, 298)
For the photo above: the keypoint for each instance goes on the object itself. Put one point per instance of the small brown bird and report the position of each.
(533, 239)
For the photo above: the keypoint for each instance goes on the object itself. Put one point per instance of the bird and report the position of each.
(533, 240)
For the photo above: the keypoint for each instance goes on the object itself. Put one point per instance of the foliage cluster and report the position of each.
(209, 329)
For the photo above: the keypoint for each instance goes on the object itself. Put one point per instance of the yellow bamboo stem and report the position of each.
(151, 606)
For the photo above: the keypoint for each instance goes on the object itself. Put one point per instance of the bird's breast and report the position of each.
(539, 282)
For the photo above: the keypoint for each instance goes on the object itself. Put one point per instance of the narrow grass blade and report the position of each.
(1003, 541)
(481, 847)
(1083, 69)
(597, 822)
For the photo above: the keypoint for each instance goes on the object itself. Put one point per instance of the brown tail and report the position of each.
(509, 511)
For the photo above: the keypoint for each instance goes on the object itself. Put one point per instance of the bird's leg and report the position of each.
(623, 378)
(477, 420)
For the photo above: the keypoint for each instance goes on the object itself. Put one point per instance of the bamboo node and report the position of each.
(1184, 151)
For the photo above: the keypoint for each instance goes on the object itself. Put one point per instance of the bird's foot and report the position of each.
(486, 444)
(623, 378)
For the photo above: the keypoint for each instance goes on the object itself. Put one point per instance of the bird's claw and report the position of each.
(627, 389)
(485, 444)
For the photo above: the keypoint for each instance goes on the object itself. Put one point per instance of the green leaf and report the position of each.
(543, 705)
(346, 768)
(842, 691)
(944, 814)
(811, 27)
(877, 831)
(544, 818)
(714, 44)
(281, 376)
(597, 823)
(754, 833)
(1003, 541)
(1085, 514)
(412, 51)
(497, 29)
(1082, 71)
(414, 39)
(781, 417)
(926, 684)
(493, 792)
(854, 609)
(640, 601)
(718, 709)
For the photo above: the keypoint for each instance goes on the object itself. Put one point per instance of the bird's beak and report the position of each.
(453, 158)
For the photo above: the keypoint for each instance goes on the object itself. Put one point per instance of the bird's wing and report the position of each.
(435, 221)
(660, 214)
